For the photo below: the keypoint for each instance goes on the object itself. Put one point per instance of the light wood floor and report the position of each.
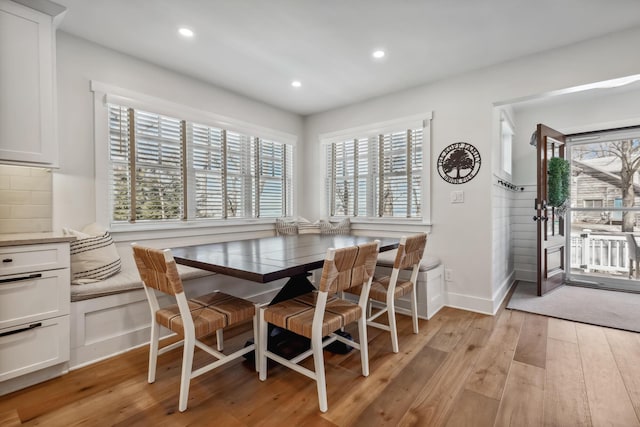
(463, 369)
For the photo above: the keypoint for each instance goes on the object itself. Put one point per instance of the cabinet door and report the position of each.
(30, 347)
(27, 125)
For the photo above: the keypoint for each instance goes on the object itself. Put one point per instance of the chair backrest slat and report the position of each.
(351, 266)
(156, 271)
(410, 251)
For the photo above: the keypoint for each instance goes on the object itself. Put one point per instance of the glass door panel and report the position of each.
(604, 209)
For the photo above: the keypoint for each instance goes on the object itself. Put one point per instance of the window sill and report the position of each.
(133, 231)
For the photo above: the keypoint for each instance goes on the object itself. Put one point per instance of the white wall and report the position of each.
(79, 62)
(462, 111)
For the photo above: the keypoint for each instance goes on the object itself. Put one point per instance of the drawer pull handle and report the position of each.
(17, 279)
(17, 331)
(7, 260)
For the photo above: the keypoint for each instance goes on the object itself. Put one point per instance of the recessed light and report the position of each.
(186, 32)
(296, 83)
(378, 54)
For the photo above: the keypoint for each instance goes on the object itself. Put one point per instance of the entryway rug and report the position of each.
(620, 310)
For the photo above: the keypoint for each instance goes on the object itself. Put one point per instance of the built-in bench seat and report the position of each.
(430, 286)
(125, 281)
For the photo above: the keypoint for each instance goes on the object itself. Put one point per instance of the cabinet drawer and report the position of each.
(33, 346)
(32, 258)
(30, 297)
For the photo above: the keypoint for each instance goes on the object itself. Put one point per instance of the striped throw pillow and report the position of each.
(93, 258)
(286, 228)
(343, 227)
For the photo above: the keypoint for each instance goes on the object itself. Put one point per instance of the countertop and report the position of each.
(33, 238)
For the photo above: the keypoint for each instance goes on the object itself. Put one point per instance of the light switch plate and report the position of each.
(457, 196)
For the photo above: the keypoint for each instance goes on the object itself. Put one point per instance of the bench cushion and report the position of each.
(387, 258)
(127, 280)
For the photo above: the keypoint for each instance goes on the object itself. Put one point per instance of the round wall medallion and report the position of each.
(459, 163)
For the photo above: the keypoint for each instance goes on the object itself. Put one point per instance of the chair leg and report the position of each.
(414, 309)
(256, 341)
(262, 343)
(391, 313)
(220, 340)
(153, 351)
(318, 362)
(185, 380)
(364, 345)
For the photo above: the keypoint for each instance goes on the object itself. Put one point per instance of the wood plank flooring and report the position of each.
(462, 369)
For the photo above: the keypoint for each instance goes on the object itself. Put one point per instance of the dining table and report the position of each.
(266, 259)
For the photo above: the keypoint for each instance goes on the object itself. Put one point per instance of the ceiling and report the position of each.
(257, 47)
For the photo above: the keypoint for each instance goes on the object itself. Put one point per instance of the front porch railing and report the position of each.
(593, 252)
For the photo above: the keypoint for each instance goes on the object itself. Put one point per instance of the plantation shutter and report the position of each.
(240, 175)
(206, 159)
(274, 178)
(344, 178)
(394, 175)
(158, 157)
(400, 172)
(416, 163)
(120, 168)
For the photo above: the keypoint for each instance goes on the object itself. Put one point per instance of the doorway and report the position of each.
(604, 210)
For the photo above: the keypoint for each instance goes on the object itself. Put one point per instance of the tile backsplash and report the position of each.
(25, 199)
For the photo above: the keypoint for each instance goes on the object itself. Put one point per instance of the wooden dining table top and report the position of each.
(270, 258)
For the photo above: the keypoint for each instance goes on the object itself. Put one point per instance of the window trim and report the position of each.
(104, 94)
(394, 125)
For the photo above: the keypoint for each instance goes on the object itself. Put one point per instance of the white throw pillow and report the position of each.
(343, 227)
(307, 227)
(94, 256)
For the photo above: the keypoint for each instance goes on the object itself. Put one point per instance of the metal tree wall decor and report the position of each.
(459, 163)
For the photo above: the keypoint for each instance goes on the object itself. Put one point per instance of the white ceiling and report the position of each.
(257, 47)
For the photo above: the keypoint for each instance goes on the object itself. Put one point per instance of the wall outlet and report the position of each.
(448, 274)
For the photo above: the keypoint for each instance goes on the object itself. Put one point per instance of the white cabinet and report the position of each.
(28, 131)
(34, 312)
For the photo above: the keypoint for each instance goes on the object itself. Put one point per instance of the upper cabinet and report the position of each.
(28, 128)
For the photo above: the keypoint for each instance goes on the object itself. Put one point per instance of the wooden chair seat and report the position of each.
(209, 313)
(296, 315)
(380, 288)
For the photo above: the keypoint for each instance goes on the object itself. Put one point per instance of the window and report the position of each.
(167, 168)
(506, 134)
(377, 174)
(593, 203)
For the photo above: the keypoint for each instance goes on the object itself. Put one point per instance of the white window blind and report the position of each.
(159, 166)
(206, 158)
(146, 162)
(240, 173)
(377, 176)
(399, 174)
(274, 173)
(120, 170)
